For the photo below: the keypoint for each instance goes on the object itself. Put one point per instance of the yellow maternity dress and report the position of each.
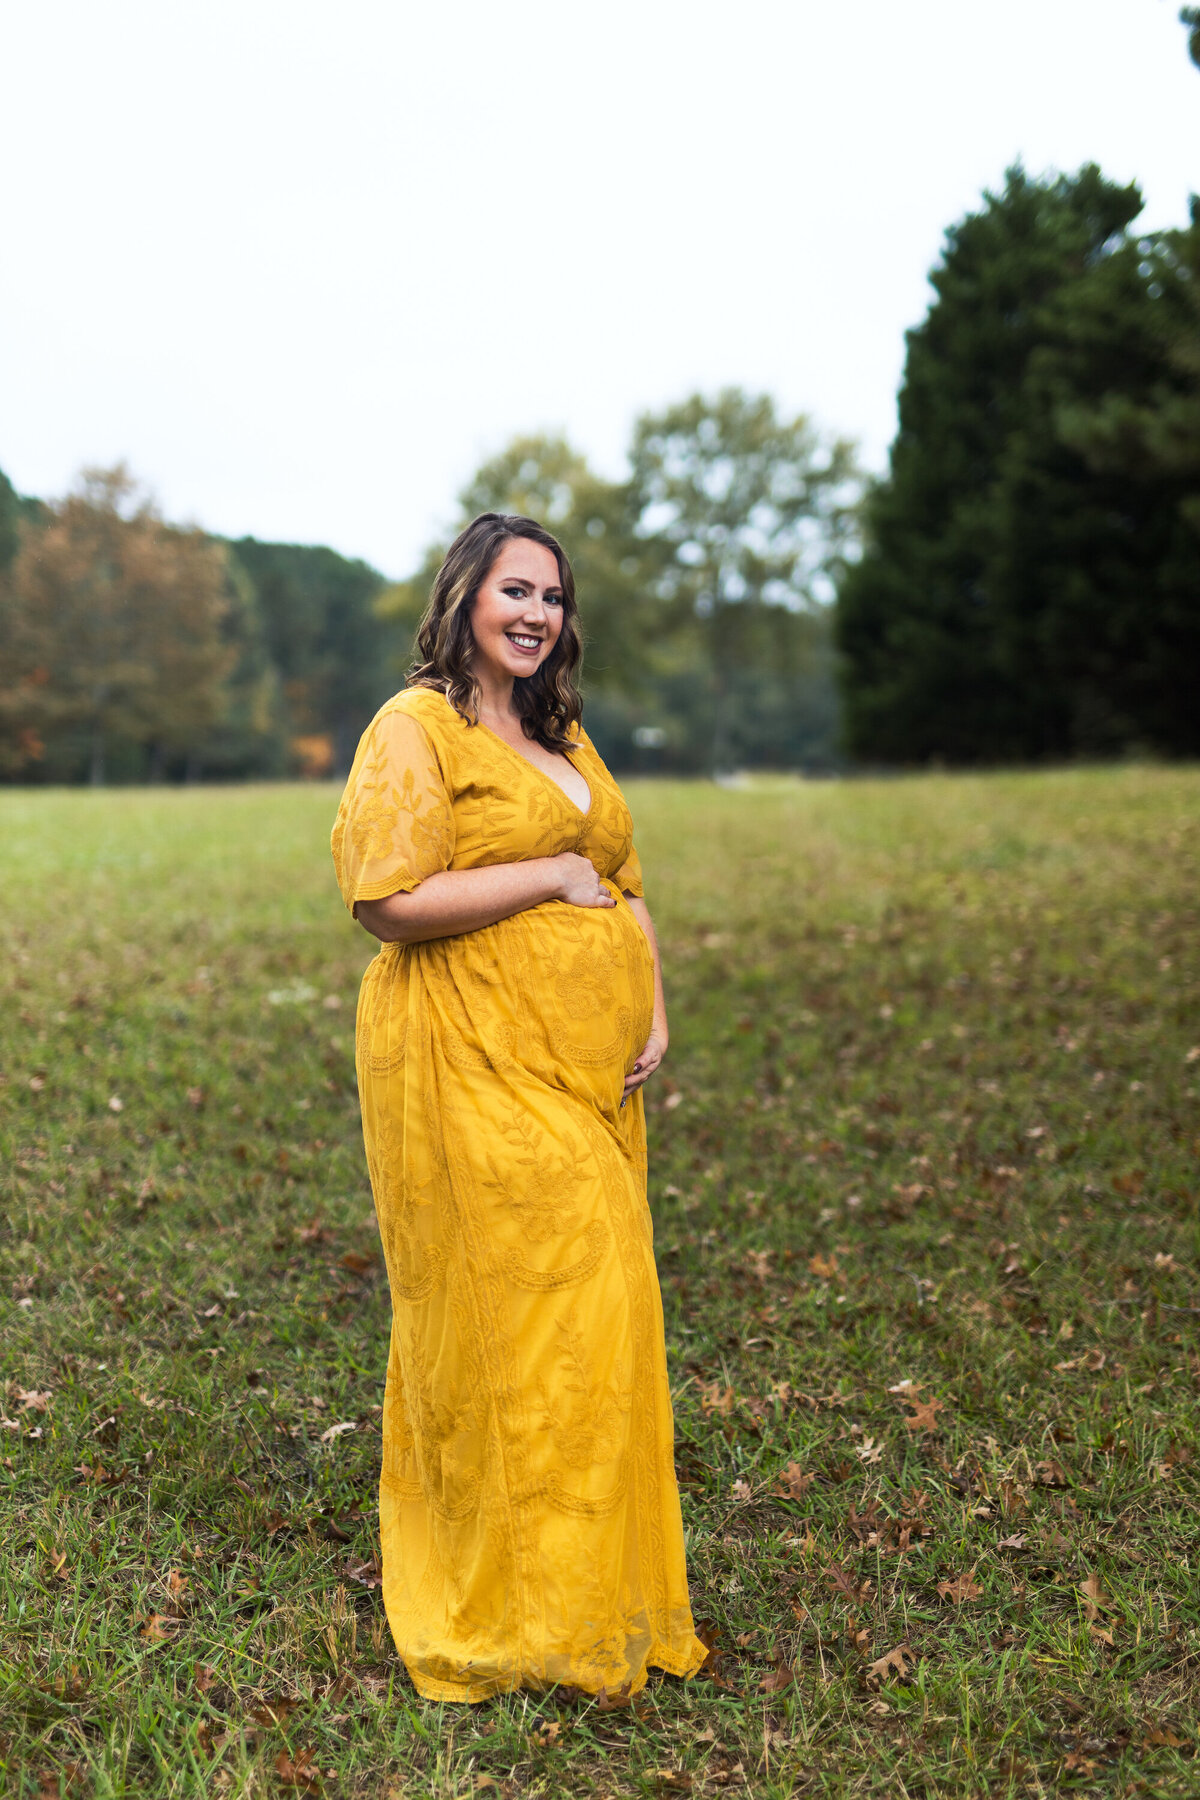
(529, 1514)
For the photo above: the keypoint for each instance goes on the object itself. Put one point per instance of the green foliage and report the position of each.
(922, 1164)
(545, 479)
(1190, 16)
(112, 626)
(701, 579)
(743, 518)
(1021, 596)
(332, 650)
(10, 518)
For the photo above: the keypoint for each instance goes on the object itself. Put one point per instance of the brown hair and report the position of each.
(548, 700)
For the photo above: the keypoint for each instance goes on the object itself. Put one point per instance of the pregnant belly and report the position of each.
(565, 993)
(590, 977)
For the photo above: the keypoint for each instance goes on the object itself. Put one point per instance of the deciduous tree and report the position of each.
(113, 626)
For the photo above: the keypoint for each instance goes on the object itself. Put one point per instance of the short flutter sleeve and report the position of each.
(395, 824)
(629, 876)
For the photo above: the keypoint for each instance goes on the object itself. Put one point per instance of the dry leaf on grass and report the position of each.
(1094, 1597)
(893, 1665)
(924, 1418)
(960, 1588)
(276, 1711)
(338, 1430)
(158, 1628)
(781, 1677)
(300, 1771)
(716, 1399)
(615, 1701)
(72, 1776)
(826, 1267)
(367, 1574)
(792, 1482)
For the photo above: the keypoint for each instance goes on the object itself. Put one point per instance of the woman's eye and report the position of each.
(553, 599)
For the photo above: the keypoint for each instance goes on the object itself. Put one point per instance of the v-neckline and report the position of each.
(584, 813)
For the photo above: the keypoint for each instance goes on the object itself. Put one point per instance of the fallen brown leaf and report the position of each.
(960, 1588)
(276, 1711)
(924, 1417)
(70, 1775)
(300, 1771)
(840, 1582)
(716, 1399)
(614, 1702)
(793, 1482)
(1094, 1597)
(826, 1267)
(367, 1573)
(781, 1677)
(158, 1628)
(338, 1430)
(893, 1665)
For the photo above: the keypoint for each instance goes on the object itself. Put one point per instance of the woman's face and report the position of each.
(518, 611)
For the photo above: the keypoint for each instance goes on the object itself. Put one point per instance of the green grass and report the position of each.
(928, 1117)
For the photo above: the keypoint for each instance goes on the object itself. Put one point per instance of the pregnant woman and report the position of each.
(528, 1508)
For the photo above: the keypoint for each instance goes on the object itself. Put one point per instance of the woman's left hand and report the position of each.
(647, 1062)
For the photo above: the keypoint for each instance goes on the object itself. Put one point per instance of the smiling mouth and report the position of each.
(526, 645)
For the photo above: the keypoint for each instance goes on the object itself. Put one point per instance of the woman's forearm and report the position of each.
(641, 913)
(458, 900)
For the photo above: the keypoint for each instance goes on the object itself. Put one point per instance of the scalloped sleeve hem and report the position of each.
(629, 876)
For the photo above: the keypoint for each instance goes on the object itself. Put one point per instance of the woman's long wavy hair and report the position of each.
(548, 700)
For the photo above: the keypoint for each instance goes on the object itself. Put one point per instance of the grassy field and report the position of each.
(923, 1167)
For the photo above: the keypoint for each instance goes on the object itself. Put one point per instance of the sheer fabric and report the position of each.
(529, 1514)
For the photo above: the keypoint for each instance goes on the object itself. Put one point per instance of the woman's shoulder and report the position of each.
(428, 706)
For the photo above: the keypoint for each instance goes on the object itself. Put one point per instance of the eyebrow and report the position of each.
(523, 581)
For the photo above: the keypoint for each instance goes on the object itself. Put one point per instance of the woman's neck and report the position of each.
(495, 694)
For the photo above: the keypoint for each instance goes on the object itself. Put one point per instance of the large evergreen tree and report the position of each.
(1019, 598)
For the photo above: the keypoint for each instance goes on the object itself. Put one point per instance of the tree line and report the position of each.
(135, 649)
(1022, 584)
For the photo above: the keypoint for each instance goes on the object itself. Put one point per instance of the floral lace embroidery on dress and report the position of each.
(528, 1506)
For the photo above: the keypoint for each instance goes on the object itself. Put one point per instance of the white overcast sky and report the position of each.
(304, 264)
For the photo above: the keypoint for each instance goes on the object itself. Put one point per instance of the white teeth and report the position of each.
(523, 642)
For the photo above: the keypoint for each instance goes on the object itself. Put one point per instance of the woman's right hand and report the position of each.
(579, 884)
